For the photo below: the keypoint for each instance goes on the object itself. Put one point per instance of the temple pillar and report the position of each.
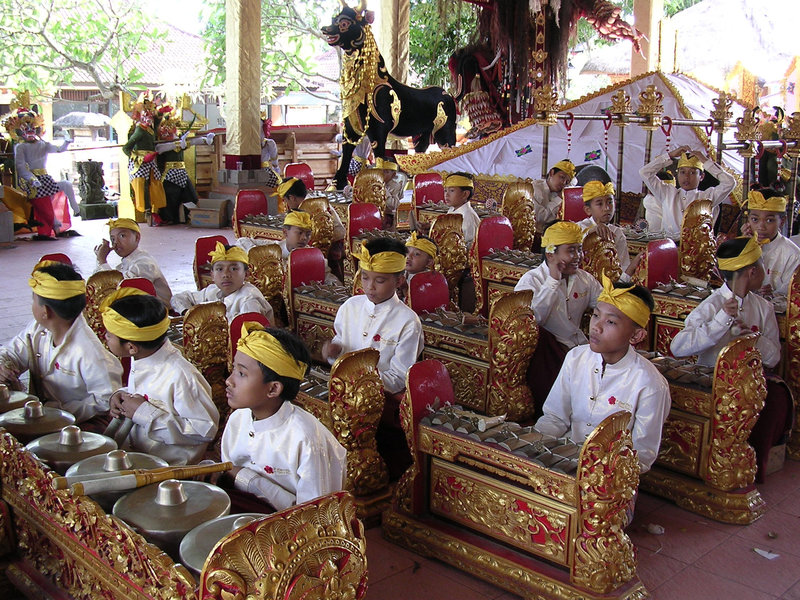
(646, 15)
(391, 32)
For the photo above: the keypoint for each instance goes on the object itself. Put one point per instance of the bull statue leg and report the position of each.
(340, 179)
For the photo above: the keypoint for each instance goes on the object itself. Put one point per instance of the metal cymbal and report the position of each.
(64, 448)
(200, 541)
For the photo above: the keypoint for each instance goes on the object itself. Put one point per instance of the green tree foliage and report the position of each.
(48, 42)
(438, 28)
(290, 41)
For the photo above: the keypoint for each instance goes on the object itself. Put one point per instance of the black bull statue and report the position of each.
(375, 104)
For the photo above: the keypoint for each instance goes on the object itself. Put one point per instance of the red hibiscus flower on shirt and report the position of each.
(269, 470)
(376, 338)
(612, 400)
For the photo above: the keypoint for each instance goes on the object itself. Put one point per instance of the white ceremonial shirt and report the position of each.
(395, 188)
(708, 328)
(665, 210)
(390, 327)
(78, 376)
(620, 241)
(141, 264)
(469, 223)
(179, 418)
(287, 459)
(247, 298)
(246, 244)
(546, 204)
(587, 391)
(558, 305)
(781, 258)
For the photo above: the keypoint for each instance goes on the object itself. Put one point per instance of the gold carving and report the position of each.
(621, 105)
(267, 273)
(368, 187)
(651, 107)
(513, 335)
(697, 251)
(314, 332)
(722, 114)
(440, 119)
(682, 441)
(792, 368)
(600, 256)
(608, 474)
(315, 550)
(397, 107)
(205, 345)
(362, 72)
(518, 206)
(98, 286)
(321, 223)
(545, 105)
(469, 377)
(451, 260)
(748, 127)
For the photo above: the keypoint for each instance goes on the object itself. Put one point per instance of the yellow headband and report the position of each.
(381, 262)
(749, 254)
(427, 246)
(285, 186)
(566, 166)
(596, 189)
(47, 286)
(234, 253)
(756, 201)
(692, 161)
(259, 345)
(458, 181)
(385, 164)
(123, 224)
(297, 218)
(629, 304)
(121, 327)
(563, 232)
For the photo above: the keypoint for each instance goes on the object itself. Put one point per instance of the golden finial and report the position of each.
(722, 110)
(545, 103)
(651, 107)
(747, 127)
(621, 107)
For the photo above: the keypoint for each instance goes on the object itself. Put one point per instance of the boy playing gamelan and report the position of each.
(548, 194)
(458, 189)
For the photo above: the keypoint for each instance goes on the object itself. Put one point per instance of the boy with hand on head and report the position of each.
(125, 237)
(608, 375)
(281, 453)
(228, 272)
(561, 294)
(664, 209)
(598, 204)
(76, 373)
(765, 215)
(167, 398)
(548, 193)
(729, 312)
(458, 189)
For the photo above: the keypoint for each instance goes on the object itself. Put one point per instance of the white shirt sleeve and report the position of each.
(703, 329)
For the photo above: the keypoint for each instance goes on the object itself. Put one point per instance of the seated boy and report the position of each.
(74, 371)
(228, 272)
(281, 453)
(548, 194)
(421, 257)
(395, 182)
(458, 189)
(729, 312)
(291, 193)
(765, 216)
(167, 398)
(296, 234)
(608, 376)
(561, 294)
(598, 203)
(125, 237)
(665, 210)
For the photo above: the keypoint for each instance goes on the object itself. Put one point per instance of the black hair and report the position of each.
(732, 249)
(665, 175)
(385, 244)
(142, 311)
(70, 308)
(639, 291)
(297, 349)
(298, 189)
(471, 190)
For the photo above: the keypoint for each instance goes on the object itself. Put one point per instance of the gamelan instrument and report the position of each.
(200, 541)
(34, 420)
(64, 448)
(114, 482)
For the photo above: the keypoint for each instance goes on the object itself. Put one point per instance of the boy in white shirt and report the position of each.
(598, 203)
(75, 372)
(608, 375)
(458, 189)
(167, 398)
(664, 210)
(125, 237)
(395, 182)
(228, 272)
(765, 215)
(548, 193)
(281, 453)
(421, 257)
(561, 294)
(729, 312)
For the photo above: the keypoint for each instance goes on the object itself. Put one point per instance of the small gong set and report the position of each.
(186, 519)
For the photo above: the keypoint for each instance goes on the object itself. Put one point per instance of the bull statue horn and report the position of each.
(362, 6)
(343, 3)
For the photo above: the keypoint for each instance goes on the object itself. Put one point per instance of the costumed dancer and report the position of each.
(145, 176)
(269, 154)
(178, 187)
(47, 198)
